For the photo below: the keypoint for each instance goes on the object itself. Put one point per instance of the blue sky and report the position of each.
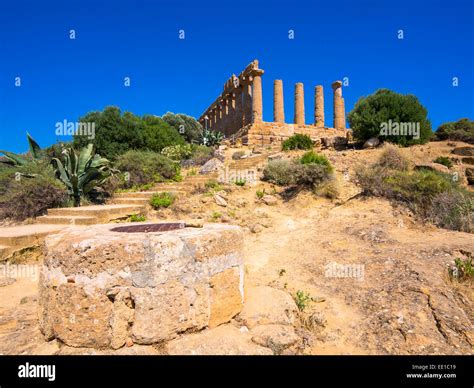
(62, 79)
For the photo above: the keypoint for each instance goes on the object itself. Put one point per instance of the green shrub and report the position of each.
(136, 218)
(386, 106)
(463, 269)
(297, 142)
(445, 161)
(302, 300)
(178, 152)
(260, 193)
(31, 197)
(462, 130)
(212, 184)
(240, 182)
(160, 200)
(200, 154)
(431, 195)
(145, 167)
(312, 157)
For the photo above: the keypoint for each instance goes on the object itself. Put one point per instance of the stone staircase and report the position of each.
(122, 205)
(142, 198)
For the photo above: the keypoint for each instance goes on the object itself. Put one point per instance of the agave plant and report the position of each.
(18, 160)
(81, 172)
(210, 138)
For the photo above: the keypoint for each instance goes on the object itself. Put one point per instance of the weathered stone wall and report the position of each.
(271, 133)
(101, 289)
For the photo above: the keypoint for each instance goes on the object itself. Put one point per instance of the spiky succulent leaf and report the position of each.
(35, 149)
(15, 159)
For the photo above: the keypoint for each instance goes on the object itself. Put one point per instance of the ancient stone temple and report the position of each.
(238, 111)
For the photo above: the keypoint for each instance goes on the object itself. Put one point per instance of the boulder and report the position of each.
(269, 200)
(464, 151)
(223, 340)
(265, 305)
(100, 288)
(211, 166)
(373, 142)
(219, 200)
(470, 175)
(276, 337)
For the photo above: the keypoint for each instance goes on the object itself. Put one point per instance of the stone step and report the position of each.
(131, 201)
(68, 220)
(147, 194)
(24, 235)
(14, 238)
(102, 212)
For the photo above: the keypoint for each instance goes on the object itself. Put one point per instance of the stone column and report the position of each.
(278, 109)
(319, 106)
(247, 102)
(257, 105)
(239, 113)
(225, 115)
(339, 114)
(299, 104)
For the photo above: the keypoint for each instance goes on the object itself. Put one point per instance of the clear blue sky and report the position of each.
(64, 79)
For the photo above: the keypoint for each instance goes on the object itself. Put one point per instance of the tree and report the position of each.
(373, 114)
(116, 134)
(186, 125)
(158, 134)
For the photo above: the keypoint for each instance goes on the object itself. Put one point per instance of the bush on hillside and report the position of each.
(297, 142)
(431, 195)
(372, 112)
(31, 197)
(144, 167)
(462, 130)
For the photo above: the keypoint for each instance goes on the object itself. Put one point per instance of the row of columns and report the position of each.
(240, 107)
(299, 119)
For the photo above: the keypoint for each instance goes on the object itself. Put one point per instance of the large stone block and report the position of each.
(100, 287)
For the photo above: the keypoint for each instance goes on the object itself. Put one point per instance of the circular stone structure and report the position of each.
(104, 285)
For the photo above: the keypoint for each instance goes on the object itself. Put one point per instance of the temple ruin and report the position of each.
(238, 111)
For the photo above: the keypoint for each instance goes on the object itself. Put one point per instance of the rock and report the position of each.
(219, 200)
(277, 156)
(373, 142)
(470, 175)
(464, 151)
(222, 340)
(265, 305)
(269, 200)
(212, 165)
(145, 286)
(6, 281)
(241, 202)
(256, 228)
(275, 337)
(432, 167)
(222, 147)
(222, 194)
(468, 160)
